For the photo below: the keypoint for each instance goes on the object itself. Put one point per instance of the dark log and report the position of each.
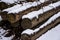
(28, 23)
(3, 5)
(4, 15)
(5, 24)
(42, 31)
(11, 5)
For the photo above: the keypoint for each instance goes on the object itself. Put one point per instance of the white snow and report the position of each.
(42, 1)
(2, 36)
(53, 34)
(37, 29)
(23, 7)
(11, 1)
(33, 14)
(13, 8)
(29, 31)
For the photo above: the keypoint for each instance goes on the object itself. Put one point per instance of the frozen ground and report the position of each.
(53, 34)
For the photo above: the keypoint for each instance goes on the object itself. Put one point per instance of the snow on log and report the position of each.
(14, 1)
(43, 30)
(30, 23)
(9, 1)
(29, 6)
(20, 14)
(44, 9)
(23, 7)
(13, 8)
(33, 5)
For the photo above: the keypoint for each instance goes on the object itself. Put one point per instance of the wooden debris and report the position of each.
(28, 23)
(41, 31)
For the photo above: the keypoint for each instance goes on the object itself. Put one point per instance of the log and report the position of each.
(3, 5)
(30, 23)
(4, 15)
(42, 31)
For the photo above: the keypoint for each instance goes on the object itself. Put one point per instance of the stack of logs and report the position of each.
(17, 16)
(28, 23)
(16, 19)
(42, 18)
(41, 31)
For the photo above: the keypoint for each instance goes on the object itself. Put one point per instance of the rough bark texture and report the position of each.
(41, 31)
(27, 23)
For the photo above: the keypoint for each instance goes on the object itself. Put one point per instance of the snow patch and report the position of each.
(2, 31)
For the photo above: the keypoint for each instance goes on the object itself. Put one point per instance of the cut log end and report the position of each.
(25, 37)
(26, 23)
